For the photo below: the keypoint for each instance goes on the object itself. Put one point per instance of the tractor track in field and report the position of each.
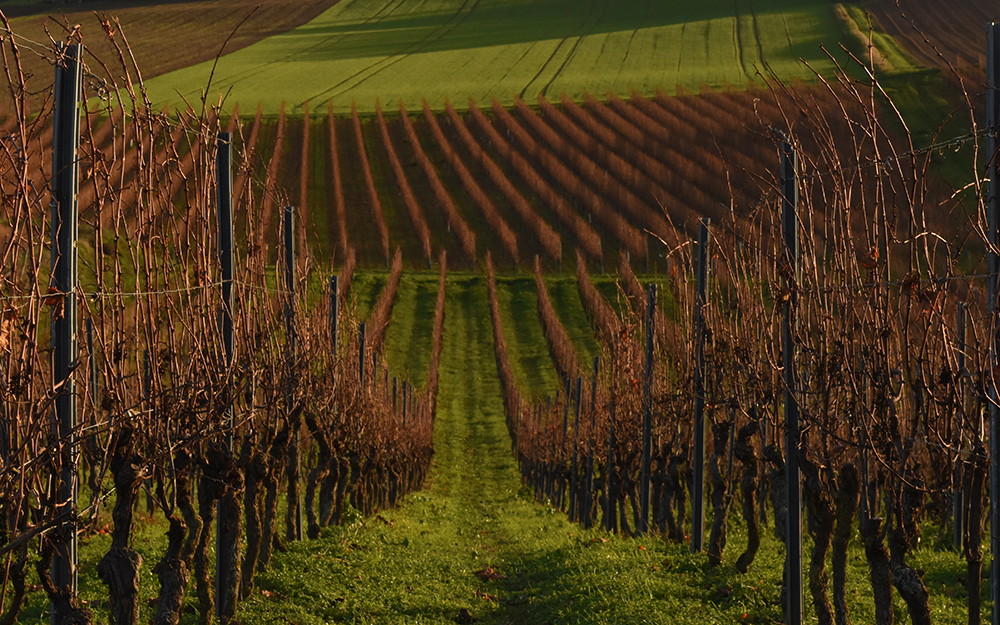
(379, 16)
(576, 45)
(756, 35)
(628, 48)
(372, 70)
(738, 37)
(545, 65)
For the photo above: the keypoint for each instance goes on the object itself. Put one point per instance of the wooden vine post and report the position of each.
(793, 540)
(698, 496)
(992, 200)
(227, 575)
(65, 230)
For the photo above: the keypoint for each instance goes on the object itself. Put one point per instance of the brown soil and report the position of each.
(957, 29)
(163, 36)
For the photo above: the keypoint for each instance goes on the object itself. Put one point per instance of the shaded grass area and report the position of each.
(526, 347)
(565, 297)
(410, 337)
(365, 290)
(417, 563)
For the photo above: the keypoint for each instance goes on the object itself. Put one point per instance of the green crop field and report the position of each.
(365, 50)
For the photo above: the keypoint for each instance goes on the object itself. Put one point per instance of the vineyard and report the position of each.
(599, 176)
(725, 330)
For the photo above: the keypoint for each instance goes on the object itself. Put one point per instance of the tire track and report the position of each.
(576, 45)
(381, 15)
(756, 36)
(552, 56)
(628, 48)
(680, 54)
(387, 62)
(738, 37)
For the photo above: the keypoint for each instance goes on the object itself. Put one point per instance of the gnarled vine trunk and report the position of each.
(720, 489)
(746, 454)
(848, 499)
(119, 568)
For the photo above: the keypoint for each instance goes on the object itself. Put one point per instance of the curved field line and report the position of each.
(389, 61)
(576, 45)
(253, 71)
(628, 48)
(738, 37)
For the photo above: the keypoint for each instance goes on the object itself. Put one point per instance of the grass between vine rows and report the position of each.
(417, 563)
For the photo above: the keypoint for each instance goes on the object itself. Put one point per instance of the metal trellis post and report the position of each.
(992, 199)
(698, 451)
(793, 540)
(293, 528)
(65, 228)
(957, 491)
(225, 537)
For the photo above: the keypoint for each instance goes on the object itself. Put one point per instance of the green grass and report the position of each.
(527, 350)
(366, 287)
(565, 297)
(410, 337)
(417, 563)
(364, 50)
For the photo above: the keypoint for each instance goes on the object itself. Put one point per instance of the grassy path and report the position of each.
(417, 564)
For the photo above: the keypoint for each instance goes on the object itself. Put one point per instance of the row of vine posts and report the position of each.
(847, 351)
(212, 390)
